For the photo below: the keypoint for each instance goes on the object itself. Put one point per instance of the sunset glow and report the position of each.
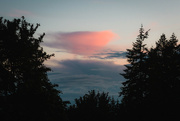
(83, 43)
(89, 37)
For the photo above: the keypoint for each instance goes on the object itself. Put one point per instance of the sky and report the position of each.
(89, 37)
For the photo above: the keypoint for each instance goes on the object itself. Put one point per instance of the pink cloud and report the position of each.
(20, 13)
(83, 43)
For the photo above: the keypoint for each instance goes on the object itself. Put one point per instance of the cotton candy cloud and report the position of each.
(83, 42)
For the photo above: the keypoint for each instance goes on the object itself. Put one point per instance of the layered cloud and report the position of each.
(110, 54)
(82, 42)
(77, 77)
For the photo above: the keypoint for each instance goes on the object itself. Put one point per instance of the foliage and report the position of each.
(25, 90)
(152, 88)
(163, 78)
(134, 88)
(94, 107)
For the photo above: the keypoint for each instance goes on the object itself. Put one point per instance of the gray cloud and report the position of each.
(110, 54)
(77, 77)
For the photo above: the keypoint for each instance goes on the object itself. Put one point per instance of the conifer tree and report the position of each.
(152, 88)
(133, 90)
(163, 77)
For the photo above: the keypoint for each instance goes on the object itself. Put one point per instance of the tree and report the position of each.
(26, 92)
(152, 88)
(163, 78)
(133, 89)
(94, 107)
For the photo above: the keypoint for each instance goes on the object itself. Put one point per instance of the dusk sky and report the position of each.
(89, 37)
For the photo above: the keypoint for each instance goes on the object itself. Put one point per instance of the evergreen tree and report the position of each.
(152, 88)
(163, 78)
(25, 90)
(133, 90)
(163, 65)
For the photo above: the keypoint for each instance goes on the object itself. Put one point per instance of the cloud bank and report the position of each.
(77, 77)
(82, 42)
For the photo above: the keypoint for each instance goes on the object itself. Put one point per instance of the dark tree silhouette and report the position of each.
(26, 94)
(152, 89)
(133, 90)
(94, 107)
(164, 83)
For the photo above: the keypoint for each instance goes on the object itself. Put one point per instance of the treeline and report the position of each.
(151, 91)
(152, 87)
(95, 106)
